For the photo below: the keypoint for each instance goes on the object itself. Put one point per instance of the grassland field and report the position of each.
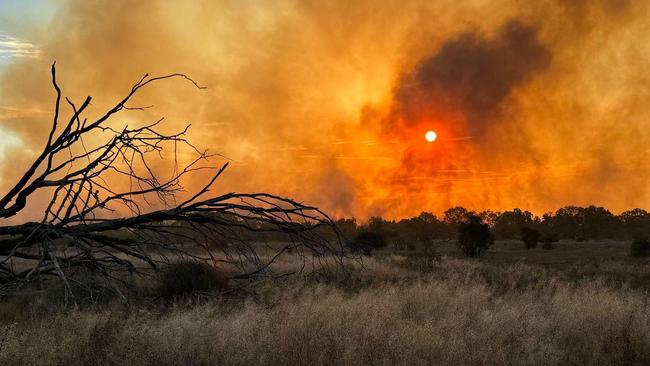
(578, 304)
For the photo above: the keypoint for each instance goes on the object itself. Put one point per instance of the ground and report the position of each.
(564, 253)
(579, 303)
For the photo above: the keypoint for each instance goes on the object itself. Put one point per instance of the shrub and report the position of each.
(366, 242)
(11, 311)
(640, 248)
(530, 237)
(548, 240)
(547, 245)
(474, 237)
(190, 277)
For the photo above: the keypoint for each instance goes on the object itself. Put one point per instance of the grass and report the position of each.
(399, 310)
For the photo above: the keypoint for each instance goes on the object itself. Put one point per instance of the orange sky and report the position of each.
(535, 105)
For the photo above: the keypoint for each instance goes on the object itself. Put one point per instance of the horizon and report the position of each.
(440, 215)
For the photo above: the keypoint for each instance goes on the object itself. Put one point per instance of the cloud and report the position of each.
(7, 140)
(12, 47)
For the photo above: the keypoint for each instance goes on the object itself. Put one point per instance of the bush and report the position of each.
(11, 311)
(640, 248)
(474, 237)
(366, 242)
(188, 277)
(530, 237)
(548, 240)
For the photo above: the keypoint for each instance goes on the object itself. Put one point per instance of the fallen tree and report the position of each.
(90, 222)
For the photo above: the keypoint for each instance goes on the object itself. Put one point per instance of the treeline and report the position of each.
(570, 222)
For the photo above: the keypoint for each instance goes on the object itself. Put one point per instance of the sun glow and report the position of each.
(431, 136)
(6, 140)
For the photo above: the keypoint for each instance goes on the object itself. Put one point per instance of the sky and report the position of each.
(536, 105)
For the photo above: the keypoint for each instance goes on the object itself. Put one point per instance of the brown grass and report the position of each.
(395, 312)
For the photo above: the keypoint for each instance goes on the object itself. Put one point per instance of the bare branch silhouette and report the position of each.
(91, 222)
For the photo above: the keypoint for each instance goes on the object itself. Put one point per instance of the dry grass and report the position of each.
(395, 312)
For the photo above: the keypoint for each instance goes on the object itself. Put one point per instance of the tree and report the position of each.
(454, 217)
(509, 224)
(599, 223)
(348, 227)
(489, 217)
(94, 222)
(567, 221)
(530, 237)
(367, 241)
(474, 237)
(427, 227)
(635, 222)
(377, 224)
(582, 223)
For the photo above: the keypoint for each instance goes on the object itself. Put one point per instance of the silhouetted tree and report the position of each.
(567, 222)
(489, 217)
(635, 223)
(530, 237)
(457, 215)
(599, 223)
(508, 224)
(474, 237)
(428, 227)
(348, 227)
(453, 217)
(583, 223)
(376, 224)
(367, 241)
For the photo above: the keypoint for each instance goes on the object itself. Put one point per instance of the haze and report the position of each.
(536, 105)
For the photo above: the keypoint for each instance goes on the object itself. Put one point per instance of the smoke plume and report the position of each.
(536, 105)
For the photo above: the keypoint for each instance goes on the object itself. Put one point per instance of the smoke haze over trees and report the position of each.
(570, 223)
(329, 101)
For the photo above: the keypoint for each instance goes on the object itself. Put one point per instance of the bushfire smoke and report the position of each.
(535, 105)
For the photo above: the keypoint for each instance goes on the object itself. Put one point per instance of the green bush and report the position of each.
(186, 278)
(640, 248)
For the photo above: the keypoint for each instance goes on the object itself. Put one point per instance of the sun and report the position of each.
(431, 136)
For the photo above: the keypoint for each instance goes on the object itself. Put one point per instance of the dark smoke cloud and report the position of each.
(471, 75)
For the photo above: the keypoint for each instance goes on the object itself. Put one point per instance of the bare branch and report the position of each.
(134, 222)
